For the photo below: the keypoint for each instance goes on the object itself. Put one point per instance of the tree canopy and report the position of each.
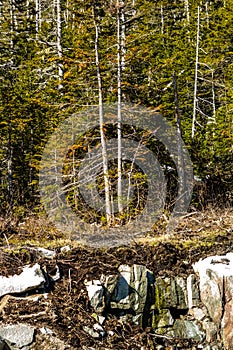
(48, 72)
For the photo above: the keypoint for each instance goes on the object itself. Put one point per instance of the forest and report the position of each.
(166, 56)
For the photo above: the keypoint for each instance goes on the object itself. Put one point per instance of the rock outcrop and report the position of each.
(197, 307)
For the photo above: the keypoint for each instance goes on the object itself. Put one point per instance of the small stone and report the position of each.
(19, 335)
(197, 313)
(56, 276)
(94, 334)
(65, 249)
(185, 329)
(128, 293)
(45, 330)
(165, 319)
(97, 327)
(159, 347)
(101, 319)
(120, 295)
(95, 292)
(49, 254)
(211, 330)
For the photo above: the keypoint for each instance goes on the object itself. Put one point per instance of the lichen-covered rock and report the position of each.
(181, 291)
(213, 272)
(216, 290)
(165, 293)
(199, 307)
(227, 320)
(128, 292)
(197, 313)
(211, 330)
(193, 291)
(186, 329)
(171, 292)
(165, 319)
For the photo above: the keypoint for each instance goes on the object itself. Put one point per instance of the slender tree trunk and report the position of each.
(196, 74)
(67, 13)
(180, 162)
(123, 28)
(27, 6)
(59, 44)
(213, 96)
(38, 16)
(9, 146)
(9, 168)
(12, 30)
(186, 6)
(101, 119)
(119, 117)
(162, 19)
(207, 14)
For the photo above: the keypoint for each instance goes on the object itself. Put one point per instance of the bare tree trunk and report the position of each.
(119, 117)
(207, 14)
(38, 16)
(9, 168)
(186, 6)
(9, 146)
(123, 28)
(213, 96)
(67, 13)
(101, 119)
(196, 74)
(12, 29)
(182, 180)
(59, 44)
(162, 19)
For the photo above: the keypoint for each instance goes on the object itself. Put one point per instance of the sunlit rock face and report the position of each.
(30, 278)
(216, 291)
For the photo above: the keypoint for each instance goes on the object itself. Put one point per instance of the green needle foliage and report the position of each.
(159, 39)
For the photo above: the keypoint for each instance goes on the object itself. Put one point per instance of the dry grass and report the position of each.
(195, 229)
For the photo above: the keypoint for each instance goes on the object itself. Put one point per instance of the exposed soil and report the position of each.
(66, 309)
